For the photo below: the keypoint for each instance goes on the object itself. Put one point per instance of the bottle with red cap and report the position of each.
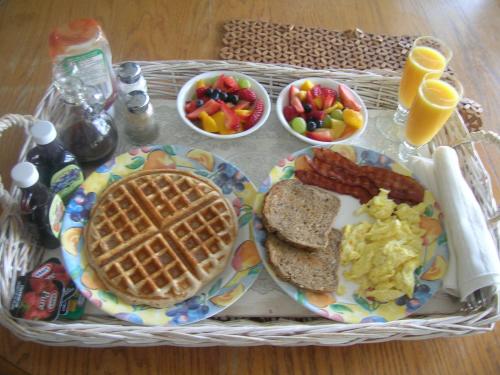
(57, 167)
(41, 209)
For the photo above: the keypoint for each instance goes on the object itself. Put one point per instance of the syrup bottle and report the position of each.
(41, 209)
(57, 167)
(88, 131)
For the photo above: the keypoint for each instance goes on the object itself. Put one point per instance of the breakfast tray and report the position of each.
(379, 90)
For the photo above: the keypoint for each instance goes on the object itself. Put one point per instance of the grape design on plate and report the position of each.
(191, 309)
(79, 207)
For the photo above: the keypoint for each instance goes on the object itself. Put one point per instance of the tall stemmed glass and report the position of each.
(428, 55)
(433, 105)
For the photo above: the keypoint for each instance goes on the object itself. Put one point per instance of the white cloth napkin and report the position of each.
(474, 262)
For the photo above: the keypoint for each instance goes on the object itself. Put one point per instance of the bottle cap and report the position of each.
(43, 132)
(137, 101)
(129, 72)
(24, 174)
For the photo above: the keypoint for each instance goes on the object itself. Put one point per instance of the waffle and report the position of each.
(156, 237)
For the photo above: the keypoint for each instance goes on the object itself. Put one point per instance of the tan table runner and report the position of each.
(318, 48)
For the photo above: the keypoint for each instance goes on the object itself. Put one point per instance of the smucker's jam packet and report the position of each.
(36, 299)
(72, 303)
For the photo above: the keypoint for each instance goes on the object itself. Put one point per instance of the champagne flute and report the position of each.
(433, 105)
(428, 55)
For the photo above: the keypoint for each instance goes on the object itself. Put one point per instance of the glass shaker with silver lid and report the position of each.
(140, 126)
(130, 78)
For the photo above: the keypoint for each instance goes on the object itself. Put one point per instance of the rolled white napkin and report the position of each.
(474, 262)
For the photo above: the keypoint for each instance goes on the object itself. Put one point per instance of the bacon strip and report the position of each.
(314, 178)
(402, 188)
(344, 177)
(335, 159)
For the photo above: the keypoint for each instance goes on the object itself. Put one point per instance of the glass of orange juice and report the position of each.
(433, 105)
(428, 55)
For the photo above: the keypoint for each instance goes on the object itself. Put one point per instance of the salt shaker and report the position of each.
(130, 78)
(140, 126)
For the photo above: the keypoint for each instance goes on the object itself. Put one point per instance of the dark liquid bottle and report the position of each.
(41, 209)
(87, 131)
(57, 167)
(91, 136)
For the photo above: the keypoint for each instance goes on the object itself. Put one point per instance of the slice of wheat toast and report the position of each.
(312, 270)
(300, 214)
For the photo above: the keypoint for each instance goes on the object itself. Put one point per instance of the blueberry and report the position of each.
(311, 125)
(215, 94)
(199, 103)
(307, 107)
(224, 96)
(233, 99)
(319, 123)
(209, 92)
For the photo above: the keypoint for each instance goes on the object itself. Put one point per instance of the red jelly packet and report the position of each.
(36, 299)
(73, 303)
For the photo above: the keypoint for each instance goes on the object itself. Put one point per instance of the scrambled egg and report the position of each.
(384, 254)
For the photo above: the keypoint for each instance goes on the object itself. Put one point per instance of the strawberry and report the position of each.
(310, 99)
(219, 83)
(201, 92)
(258, 110)
(322, 135)
(316, 91)
(294, 91)
(211, 106)
(290, 113)
(297, 104)
(190, 106)
(247, 95)
(347, 98)
(230, 83)
(231, 120)
(318, 115)
(329, 96)
(243, 104)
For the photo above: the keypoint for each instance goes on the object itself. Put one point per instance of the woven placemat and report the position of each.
(319, 48)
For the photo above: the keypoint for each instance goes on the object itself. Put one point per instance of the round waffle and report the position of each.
(156, 237)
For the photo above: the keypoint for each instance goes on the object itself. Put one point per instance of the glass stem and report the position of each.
(406, 150)
(401, 115)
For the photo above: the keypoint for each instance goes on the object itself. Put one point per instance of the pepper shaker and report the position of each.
(140, 126)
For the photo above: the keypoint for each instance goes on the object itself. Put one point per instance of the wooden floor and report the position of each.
(157, 30)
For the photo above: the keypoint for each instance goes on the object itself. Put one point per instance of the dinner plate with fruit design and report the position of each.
(346, 304)
(243, 266)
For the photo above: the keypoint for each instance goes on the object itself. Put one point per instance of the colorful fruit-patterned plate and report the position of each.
(243, 267)
(346, 305)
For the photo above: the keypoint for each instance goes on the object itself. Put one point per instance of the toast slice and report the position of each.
(315, 271)
(300, 214)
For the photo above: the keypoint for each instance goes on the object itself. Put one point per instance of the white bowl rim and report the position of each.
(280, 105)
(181, 99)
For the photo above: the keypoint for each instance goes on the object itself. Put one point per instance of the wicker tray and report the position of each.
(379, 90)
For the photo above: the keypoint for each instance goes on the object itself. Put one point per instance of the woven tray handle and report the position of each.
(6, 122)
(488, 137)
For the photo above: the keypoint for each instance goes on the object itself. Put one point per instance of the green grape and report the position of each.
(299, 125)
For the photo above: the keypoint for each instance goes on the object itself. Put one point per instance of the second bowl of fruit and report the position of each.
(223, 104)
(321, 111)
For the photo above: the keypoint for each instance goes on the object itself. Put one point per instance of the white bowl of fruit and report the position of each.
(321, 111)
(223, 104)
